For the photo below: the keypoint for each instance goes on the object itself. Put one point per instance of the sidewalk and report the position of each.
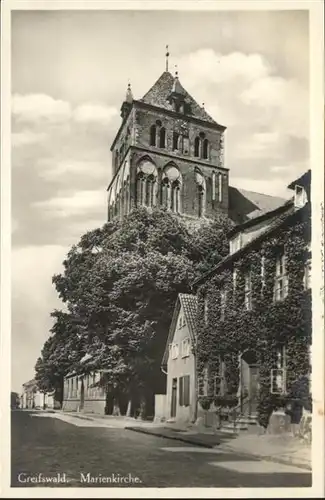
(276, 448)
(281, 449)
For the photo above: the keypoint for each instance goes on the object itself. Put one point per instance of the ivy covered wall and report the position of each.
(226, 329)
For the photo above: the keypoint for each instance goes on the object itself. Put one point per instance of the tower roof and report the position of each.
(162, 89)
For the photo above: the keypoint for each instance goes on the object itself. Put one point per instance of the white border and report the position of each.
(316, 11)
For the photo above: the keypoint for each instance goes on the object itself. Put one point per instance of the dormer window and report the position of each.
(300, 196)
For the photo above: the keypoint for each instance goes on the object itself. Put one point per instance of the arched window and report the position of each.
(213, 186)
(176, 196)
(197, 147)
(220, 190)
(126, 196)
(175, 140)
(201, 198)
(171, 188)
(205, 149)
(146, 183)
(153, 131)
(200, 201)
(162, 137)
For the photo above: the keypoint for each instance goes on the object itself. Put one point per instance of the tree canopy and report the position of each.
(119, 286)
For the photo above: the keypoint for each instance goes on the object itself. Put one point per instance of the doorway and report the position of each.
(174, 398)
(249, 381)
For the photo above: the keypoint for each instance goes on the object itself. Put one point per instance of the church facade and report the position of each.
(168, 153)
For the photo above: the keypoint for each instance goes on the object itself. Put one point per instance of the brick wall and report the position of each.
(137, 146)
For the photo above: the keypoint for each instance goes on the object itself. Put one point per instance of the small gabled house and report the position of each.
(33, 398)
(179, 362)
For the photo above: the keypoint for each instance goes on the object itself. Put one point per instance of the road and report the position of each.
(49, 449)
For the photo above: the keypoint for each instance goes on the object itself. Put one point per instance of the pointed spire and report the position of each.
(129, 95)
(167, 56)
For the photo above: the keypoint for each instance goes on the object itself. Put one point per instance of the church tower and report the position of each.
(168, 152)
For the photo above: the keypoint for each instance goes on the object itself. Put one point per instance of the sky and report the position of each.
(70, 71)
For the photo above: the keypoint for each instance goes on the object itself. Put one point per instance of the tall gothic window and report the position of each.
(205, 149)
(175, 140)
(146, 183)
(220, 190)
(171, 189)
(153, 131)
(197, 147)
(162, 137)
(201, 194)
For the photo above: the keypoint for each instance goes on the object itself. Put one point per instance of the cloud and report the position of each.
(26, 137)
(94, 113)
(28, 335)
(244, 90)
(30, 108)
(80, 202)
(62, 170)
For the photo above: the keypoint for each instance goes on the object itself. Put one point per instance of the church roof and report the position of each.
(161, 90)
(246, 205)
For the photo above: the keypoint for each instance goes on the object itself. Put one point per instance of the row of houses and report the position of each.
(243, 337)
(34, 399)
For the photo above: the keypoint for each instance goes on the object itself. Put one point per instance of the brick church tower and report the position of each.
(168, 152)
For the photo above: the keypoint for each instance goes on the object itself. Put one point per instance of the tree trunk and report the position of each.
(128, 411)
(142, 408)
(116, 409)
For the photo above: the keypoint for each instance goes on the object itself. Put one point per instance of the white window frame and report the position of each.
(186, 343)
(281, 284)
(220, 190)
(234, 279)
(235, 243)
(278, 381)
(206, 309)
(175, 350)
(248, 291)
(217, 382)
(307, 274)
(263, 271)
(213, 186)
(278, 374)
(223, 303)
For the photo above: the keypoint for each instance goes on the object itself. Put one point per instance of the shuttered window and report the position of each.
(184, 391)
(181, 386)
(186, 385)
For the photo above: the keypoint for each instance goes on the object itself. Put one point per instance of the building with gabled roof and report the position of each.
(179, 362)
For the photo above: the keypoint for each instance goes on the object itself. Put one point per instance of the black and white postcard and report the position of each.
(162, 245)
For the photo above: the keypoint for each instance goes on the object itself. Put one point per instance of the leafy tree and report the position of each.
(119, 285)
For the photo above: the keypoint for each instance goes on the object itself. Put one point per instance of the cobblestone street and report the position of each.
(45, 447)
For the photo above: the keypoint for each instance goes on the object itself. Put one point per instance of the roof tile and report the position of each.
(160, 91)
